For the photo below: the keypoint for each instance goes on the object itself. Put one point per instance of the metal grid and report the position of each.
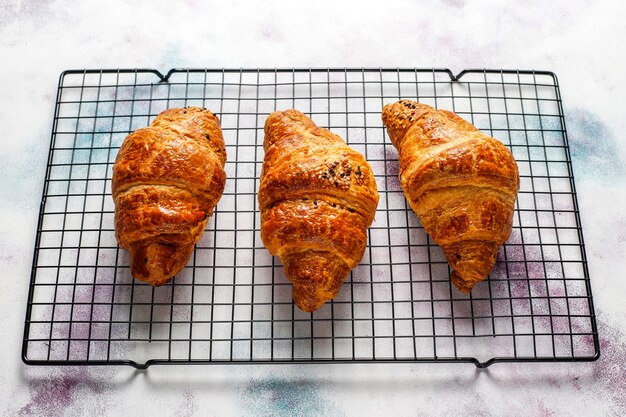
(232, 303)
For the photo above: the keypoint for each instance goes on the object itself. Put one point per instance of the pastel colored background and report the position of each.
(581, 41)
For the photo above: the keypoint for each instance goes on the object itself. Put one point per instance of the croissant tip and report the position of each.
(316, 277)
(160, 283)
(309, 305)
(153, 277)
(464, 286)
(158, 263)
(312, 297)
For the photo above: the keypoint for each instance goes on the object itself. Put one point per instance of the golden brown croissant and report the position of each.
(317, 198)
(460, 182)
(167, 179)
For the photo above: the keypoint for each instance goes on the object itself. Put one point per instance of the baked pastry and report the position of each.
(461, 183)
(317, 198)
(167, 179)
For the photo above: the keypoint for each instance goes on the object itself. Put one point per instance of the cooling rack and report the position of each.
(232, 303)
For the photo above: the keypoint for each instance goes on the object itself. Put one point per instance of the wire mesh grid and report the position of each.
(232, 303)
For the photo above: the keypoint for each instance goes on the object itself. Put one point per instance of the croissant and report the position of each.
(317, 198)
(167, 179)
(461, 183)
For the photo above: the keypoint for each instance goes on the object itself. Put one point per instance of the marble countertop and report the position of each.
(581, 41)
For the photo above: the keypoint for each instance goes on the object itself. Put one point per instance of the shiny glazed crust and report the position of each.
(167, 179)
(317, 198)
(460, 182)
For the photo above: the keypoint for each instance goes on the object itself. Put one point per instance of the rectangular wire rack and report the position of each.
(232, 303)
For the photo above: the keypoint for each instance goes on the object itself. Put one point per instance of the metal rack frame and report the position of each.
(232, 303)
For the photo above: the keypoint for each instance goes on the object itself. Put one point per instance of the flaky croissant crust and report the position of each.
(317, 197)
(460, 182)
(167, 179)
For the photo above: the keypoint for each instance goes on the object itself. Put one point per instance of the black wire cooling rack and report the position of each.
(232, 303)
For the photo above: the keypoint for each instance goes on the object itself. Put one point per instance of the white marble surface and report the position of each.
(581, 41)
